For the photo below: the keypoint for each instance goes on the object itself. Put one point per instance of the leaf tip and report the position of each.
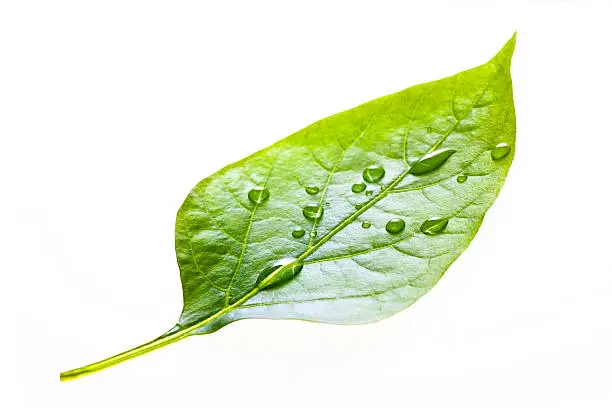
(504, 56)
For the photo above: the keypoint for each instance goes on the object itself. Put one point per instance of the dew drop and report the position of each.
(431, 161)
(500, 151)
(327, 203)
(462, 178)
(298, 233)
(369, 192)
(366, 224)
(434, 225)
(290, 269)
(395, 226)
(313, 212)
(312, 190)
(429, 129)
(373, 174)
(358, 206)
(312, 234)
(358, 188)
(258, 195)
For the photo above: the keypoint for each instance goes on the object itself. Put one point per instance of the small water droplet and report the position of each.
(312, 234)
(327, 204)
(358, 206)
(395, 225)
(500, 151)
(312, 190)
(461, 178)
(298, 233)
(369, 192)
(358, 188)
(431, 161)
(258, 195)
(373, 174)
(429, 129)
(290, 269)
(366, 224)
(313, 212)
(434, 225)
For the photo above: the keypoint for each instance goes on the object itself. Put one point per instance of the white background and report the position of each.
(111, 111)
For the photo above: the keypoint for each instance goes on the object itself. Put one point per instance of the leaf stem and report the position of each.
(154, 344)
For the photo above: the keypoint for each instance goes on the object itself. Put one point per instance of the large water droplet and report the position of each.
(358, 188)
(500, 151)
(313, 212)
(298, 233)
(395, 225)
(434, 225)
(366, 224)
(373, 174)
(290, 269)
(462, 178)
(431, 161)
(312, 190)
(369, 192)
(258, 195)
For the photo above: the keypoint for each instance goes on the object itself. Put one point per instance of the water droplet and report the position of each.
(298, 233)
(358, 188)
(369, 192)
(395, 226)
(312, 234)
(290, 269)
(429, 129)
(313, 212)
(500, 151)
(431, 161)
(366, 224)
(434, 225)
(358, 206)
(312, 190)
(461, 178)
(373, 174)
(327, 204)
(258, 195)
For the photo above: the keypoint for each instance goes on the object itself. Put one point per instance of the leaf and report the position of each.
(240, 244)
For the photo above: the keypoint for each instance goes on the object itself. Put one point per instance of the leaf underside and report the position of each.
(351, 274)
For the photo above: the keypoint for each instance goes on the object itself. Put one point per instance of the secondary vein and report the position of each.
(245, 243)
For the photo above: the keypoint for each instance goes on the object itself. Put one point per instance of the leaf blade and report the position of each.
(465, 109)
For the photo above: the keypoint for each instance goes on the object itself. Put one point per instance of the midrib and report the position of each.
(334, 231)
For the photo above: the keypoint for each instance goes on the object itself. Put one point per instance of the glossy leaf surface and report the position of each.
(422, 137)
(349, 220)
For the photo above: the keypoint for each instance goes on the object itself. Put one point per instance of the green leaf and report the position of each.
(239, 240)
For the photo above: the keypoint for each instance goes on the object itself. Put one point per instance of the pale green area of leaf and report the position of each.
(351, 274)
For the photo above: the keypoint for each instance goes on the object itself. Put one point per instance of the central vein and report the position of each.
(311, 249)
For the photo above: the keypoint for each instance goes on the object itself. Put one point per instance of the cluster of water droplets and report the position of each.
(290, 267)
